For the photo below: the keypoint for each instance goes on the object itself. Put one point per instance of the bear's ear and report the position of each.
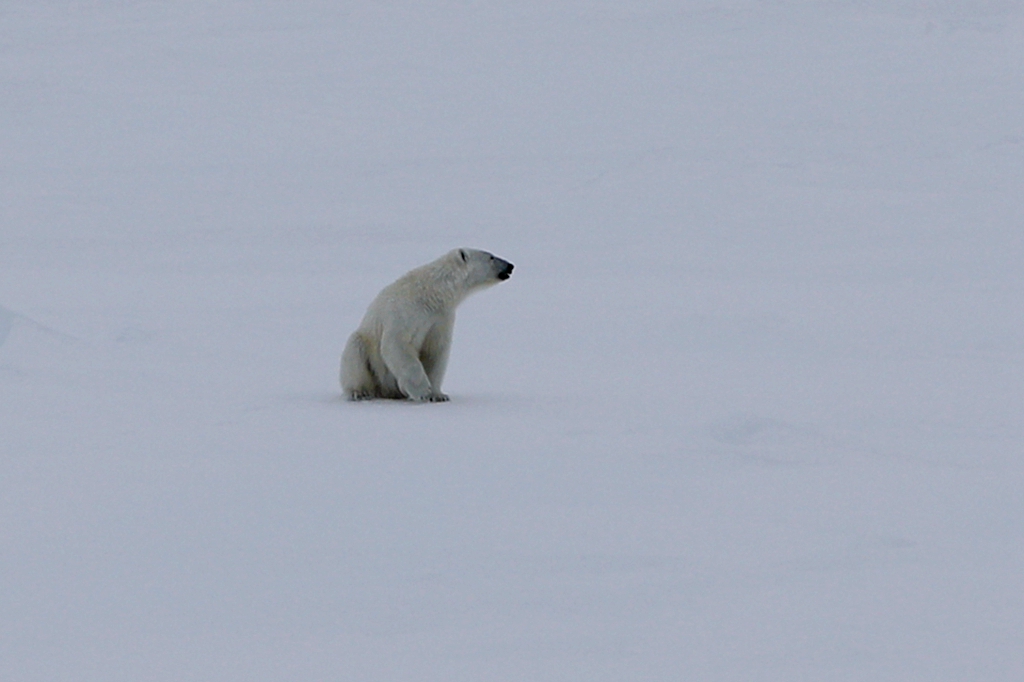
(462, 255)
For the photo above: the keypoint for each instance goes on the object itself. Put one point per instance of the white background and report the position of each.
(750, 407)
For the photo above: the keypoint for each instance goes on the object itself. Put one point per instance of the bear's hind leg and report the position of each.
(357, 381)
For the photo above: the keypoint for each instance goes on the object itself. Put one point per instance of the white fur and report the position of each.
(400, 349)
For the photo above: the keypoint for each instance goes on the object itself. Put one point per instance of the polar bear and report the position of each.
(400, 349)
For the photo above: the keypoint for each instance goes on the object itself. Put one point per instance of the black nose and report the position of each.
(506, 271)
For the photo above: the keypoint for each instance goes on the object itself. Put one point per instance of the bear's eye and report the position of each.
(462, 253)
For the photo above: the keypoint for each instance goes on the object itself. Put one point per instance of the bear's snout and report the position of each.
(505, 271)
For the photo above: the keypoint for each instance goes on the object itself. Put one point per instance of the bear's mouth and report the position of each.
(506, 272)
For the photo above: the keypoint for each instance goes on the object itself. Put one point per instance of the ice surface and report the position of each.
(749, 409)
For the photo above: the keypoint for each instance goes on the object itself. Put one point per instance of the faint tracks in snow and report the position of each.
(11, 320)
(1002, 143)
(775, 442)
(7, 318)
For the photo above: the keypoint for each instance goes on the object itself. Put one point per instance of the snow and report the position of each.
(748, 409)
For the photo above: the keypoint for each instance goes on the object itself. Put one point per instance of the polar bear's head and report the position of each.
(444, 283)
(480, 268)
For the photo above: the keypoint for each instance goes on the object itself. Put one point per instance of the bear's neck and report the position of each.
(446, 296)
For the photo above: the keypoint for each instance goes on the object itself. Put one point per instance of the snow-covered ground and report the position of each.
(749, 409)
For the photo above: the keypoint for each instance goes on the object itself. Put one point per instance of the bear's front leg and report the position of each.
(403, 362)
